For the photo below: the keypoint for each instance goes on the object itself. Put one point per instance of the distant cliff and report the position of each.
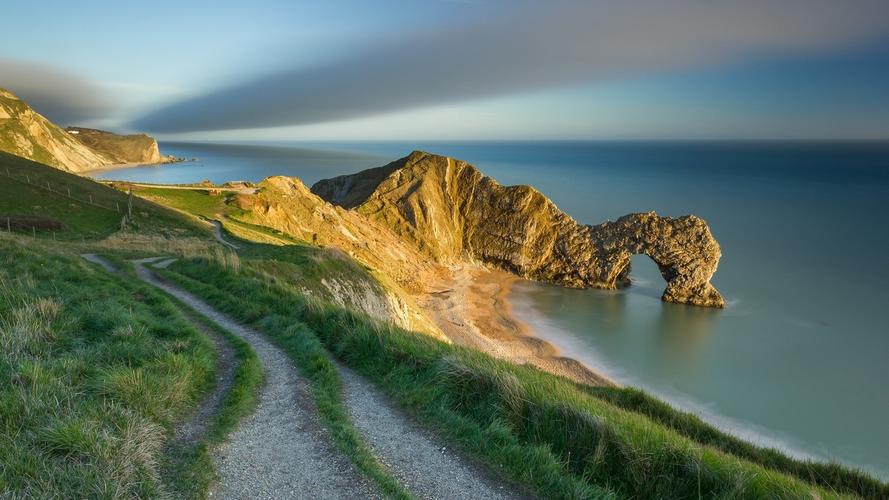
(119, 149)
(451, 212)
(26, 133)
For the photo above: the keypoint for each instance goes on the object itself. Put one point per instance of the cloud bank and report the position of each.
(527, 46)
(63, 98)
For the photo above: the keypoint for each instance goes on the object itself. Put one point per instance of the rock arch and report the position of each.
(683, 248)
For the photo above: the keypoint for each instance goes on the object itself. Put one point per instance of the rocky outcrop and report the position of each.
(119, 149)
(26, 133)
(451, 213)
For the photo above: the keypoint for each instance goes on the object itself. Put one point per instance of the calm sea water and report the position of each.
(799, 359)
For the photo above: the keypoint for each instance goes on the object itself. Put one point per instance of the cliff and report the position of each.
(26, 133)
(451, 212)
(119, 149)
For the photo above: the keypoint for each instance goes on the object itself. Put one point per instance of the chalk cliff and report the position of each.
(451, 213)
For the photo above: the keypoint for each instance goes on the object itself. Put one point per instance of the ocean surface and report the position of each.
(799, 359)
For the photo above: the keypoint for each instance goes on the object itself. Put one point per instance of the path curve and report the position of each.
(281, 450)
(217, 233)
(420, 460)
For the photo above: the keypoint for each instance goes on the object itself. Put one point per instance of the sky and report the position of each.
(455, 69)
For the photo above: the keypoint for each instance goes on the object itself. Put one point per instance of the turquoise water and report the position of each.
(799, 359)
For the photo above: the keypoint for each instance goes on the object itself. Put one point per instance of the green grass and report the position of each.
(203, 203)
(95, 373)
(562, 439)
(198, 202)
(190, 469)
(26, 194)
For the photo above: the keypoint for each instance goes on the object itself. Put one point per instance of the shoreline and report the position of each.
(134, 164)
(473, 310)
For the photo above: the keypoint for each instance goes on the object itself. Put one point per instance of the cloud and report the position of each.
(62, 97)
(526, 46)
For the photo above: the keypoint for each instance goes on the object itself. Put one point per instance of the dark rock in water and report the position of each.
(453, 213)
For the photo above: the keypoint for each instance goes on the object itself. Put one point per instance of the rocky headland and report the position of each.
(452, 213)
(448, 241)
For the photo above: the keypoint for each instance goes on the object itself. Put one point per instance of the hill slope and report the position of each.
(26, 133)
(452, 212)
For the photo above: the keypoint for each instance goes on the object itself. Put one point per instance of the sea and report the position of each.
(799, 360)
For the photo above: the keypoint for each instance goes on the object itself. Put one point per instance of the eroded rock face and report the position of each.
(453, 213)
(119, 149)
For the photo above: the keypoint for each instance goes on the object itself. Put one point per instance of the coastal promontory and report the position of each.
(453, 213)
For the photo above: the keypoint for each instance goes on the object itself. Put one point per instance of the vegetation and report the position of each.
(95, 373)
(86, 209)
(561, 438)
(101, 369)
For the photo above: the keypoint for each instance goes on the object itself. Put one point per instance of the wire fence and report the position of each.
(63, 190)
(39, 228)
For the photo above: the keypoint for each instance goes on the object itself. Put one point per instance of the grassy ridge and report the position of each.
(25, 193)
(562, 439)
(95, 374)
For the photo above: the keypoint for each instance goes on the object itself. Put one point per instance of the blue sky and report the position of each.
(424, 69)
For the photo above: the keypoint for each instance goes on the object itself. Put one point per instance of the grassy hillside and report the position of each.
(102, 368)
(86, 209)
(596, 439)
(96, 372)
(564, 439)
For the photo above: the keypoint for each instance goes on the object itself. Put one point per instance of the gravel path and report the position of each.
(416, 457)
(280, 451)
(217, 233)
(95, 259)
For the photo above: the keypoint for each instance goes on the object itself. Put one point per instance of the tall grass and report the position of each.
(94, 373)
(563, 439)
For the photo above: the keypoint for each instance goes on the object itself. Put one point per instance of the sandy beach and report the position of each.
(472, 308)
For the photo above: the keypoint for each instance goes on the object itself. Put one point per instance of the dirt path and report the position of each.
(193, 430)
(280, 451)
(217, 233)
(417, 458)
